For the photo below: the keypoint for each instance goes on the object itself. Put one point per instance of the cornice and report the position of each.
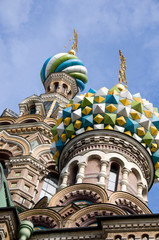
(24, 160)
(21, 128)
(131, 223)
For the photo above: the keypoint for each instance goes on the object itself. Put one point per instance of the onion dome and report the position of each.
(68, 63)
(115, 109)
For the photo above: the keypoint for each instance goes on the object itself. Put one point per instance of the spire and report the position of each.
(74, 44)
(122, 77)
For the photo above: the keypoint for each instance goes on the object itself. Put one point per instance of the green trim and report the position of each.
(80, 76)
(61, 60)
(5, 197)
(41, 76)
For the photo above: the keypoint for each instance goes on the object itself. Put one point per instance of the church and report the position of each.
(78, 166)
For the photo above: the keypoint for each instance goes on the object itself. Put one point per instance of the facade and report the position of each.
(81, 168)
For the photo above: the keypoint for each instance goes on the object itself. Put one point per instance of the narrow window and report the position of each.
(13, 184)
(73, 173)
(145, 237)
(49, 187)
(131, 237)
(32, 109)
(56, 84)
(30, 177)
(17, 174)
(113, 177)
(117, 237)
(27, 188)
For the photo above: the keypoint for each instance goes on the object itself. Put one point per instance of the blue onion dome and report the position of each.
(68, 63)
(114, 109)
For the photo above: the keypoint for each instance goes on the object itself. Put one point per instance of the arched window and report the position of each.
(113, 177)
(49, 187)
(32, 109)
(64, 88)
(145, 237)
(131, 237)
(56, 84)
(117, 237)
(29, 121)
(72, 174)
(5, 123)
(157, 237)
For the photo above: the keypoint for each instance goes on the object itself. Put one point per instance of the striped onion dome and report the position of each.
(68, 63)
(115, 109)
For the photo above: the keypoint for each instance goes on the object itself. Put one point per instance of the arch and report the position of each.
(79, 191)
(85, 216)
(50, 121)
(41, 149)
(7, 120)
(34, 98)
(22, 143)
(42, 217)
(35, 117)
(137, 173)
(129, 202)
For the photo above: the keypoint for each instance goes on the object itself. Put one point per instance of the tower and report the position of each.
(104, 157)
(25, 139)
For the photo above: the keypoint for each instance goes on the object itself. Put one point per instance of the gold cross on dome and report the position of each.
(122, 76)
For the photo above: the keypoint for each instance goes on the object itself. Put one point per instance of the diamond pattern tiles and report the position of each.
(113, 110)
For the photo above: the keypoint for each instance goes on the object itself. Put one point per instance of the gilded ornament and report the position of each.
(122, 76)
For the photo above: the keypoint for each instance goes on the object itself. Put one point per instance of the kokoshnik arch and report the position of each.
(78, 166)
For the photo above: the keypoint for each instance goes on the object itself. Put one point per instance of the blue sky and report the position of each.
(31, 31)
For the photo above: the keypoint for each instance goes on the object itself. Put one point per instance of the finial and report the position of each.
(122, 77)
(74, 45)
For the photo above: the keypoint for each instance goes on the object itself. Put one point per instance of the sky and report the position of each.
(31, 31)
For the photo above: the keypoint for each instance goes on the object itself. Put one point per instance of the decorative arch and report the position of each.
(50, 121)
(41, 149)
(32, 117)
(79, 192)
(33, 98)
(129, 202)
(47, 218)
(7, 120)
(87, 216)
(22, 144)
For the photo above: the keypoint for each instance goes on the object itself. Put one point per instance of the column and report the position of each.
(38, 109)
(81, 169)
(124, 181)
(102, 174)
(139, 190)
(64, 180)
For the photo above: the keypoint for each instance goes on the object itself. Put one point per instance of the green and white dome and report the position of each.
(68, 63)
(115, 109)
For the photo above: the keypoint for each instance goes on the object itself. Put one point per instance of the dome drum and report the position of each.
(61, 83)
(107, 145)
